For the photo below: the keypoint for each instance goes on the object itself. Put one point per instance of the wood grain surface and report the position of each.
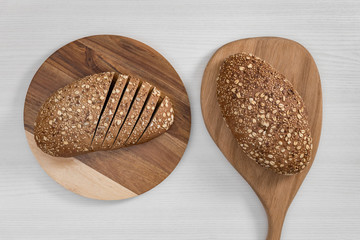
(123, 173)
(276, 192)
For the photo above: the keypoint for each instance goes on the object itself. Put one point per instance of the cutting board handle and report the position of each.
(274, 191)
(275, 223)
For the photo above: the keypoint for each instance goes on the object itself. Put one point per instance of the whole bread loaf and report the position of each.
(88, 115)
(266, 115)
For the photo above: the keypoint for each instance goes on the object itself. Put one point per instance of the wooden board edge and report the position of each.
(77, 177)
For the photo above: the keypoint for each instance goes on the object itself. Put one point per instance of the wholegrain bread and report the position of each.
(145, 117)
(133, 115)
(67, 121)
(109, 112)
(264, 112)
(89, 114)
(161, 121)
(121, 113)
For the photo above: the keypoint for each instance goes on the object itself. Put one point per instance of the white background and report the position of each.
(204, 198)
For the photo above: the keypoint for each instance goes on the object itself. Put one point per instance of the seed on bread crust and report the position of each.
(159, 124)
(134, 113)
(52, 120)
(108, 113)
(145, 117)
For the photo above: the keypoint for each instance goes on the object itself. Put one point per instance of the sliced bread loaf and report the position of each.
(97, 112)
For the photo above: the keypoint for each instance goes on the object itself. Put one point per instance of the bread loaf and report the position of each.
(264, 112)
(89, 114)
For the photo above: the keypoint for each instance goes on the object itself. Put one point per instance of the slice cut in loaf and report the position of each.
(264, 112)
(133, 115)
(121, 113)
(109, 112)
(160, 122)
(97, 112)
(145, 117)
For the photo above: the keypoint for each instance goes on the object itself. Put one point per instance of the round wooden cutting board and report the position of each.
(123, 173)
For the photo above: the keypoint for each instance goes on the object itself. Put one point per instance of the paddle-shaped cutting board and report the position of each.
(276, 192)
(123, 173)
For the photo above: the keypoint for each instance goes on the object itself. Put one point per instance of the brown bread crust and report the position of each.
(266, 115)
(145, 117)
(109, 112)
(132, 116)
(161, 122)
(67, 121)
(121, 113)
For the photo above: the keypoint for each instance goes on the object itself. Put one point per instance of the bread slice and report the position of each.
(109, 111)
(67, 120)
(121, 113)
(266, 115)
(144, 117)
(160, 122)
(133, 115)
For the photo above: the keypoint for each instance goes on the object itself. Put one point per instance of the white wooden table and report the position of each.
(204, 198)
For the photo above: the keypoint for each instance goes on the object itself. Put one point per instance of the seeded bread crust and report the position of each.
(109, 112)
(121, 113)
(67, 120)
(161, 122)
(145, 117)
(266, 115)
(132, 116)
